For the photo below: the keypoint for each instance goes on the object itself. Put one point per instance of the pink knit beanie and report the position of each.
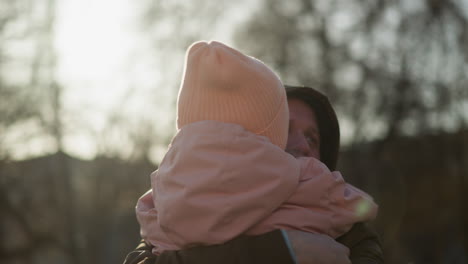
(220, 83)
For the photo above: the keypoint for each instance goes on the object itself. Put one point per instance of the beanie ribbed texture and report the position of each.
(220, 83)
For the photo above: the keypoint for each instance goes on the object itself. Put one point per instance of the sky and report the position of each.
(103, 65)
(93, 40)
(90, 30)
(104, 68)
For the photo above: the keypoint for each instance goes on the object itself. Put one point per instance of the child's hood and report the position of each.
(221, 167)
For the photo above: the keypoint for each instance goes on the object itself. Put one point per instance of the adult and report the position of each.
(313, 132)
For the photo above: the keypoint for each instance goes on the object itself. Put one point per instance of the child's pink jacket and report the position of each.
(218, 181)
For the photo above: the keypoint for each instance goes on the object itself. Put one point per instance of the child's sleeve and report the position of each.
(210, 189)
(349, 205)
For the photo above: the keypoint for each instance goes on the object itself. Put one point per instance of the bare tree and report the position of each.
(31, 94)
(16, 103)
(391, 67)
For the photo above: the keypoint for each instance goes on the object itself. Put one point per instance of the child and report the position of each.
(226, 172)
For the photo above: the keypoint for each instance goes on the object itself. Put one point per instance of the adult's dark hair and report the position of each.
(326, 117)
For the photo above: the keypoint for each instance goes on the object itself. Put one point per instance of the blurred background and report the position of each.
(87, 108)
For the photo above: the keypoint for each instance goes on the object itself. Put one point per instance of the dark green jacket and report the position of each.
(270, 248)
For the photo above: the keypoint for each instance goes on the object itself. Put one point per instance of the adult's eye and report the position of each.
(311, 140)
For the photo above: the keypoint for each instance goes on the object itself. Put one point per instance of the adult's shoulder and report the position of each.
(266, 248)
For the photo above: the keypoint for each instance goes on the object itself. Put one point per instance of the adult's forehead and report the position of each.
(328, 122)
(313, 98)
(305, 93)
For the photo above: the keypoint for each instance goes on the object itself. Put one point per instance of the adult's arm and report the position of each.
(140, 255)
(266, 248)
(364, 244)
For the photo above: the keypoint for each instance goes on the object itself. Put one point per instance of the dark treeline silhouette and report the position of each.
(38, 222)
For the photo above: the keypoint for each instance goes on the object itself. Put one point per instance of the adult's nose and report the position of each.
(298, 145)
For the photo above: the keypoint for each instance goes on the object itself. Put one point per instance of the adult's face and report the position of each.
(303, 135)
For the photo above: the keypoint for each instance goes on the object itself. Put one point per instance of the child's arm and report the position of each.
(218, 180)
